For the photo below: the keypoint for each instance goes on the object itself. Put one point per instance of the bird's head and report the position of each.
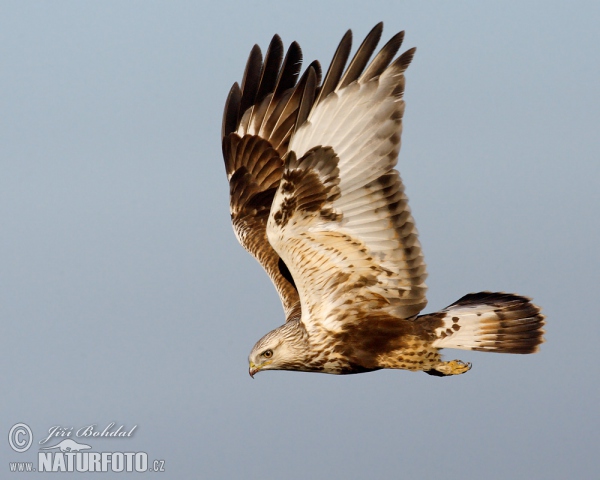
(280, 349)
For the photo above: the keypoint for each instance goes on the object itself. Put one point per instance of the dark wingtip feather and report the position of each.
(251, 79)
(362, 56)
(383, 58)
(316, 66)
(403, 61)
(290, 70)
(231, 111)
(308, 96)
(336, 67)
(269, 73)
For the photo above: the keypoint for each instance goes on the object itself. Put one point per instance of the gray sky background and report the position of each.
(125, 297)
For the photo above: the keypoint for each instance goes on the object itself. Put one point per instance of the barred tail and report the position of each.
(490, 322)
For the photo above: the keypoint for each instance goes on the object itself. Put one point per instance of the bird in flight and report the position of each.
(315, 198)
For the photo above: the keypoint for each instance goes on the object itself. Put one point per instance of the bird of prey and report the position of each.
(315, 198)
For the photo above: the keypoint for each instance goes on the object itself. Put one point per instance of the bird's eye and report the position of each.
(268, 353)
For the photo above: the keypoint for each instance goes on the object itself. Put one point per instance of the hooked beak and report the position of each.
(253, 369)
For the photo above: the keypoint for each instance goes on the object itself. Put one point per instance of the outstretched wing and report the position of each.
(340, 218)
(258, 121)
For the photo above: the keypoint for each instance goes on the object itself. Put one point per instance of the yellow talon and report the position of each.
(459, 367)
(454, 367)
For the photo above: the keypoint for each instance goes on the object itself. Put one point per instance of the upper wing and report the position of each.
(340, 218)
(258, 121)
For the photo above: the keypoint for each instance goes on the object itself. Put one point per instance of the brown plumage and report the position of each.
(316, 200)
